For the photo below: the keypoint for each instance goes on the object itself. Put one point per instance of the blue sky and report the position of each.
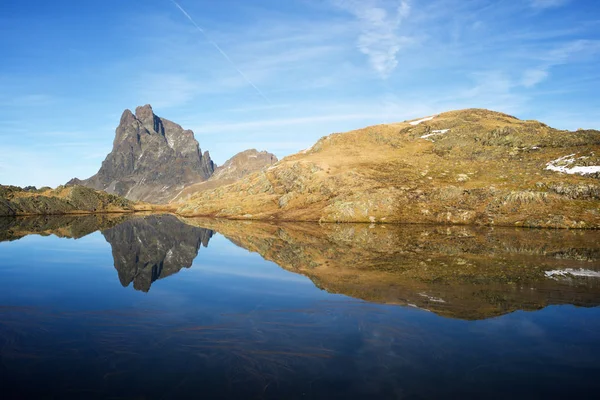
(69, 69)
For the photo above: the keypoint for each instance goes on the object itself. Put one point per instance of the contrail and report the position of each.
(216, 46)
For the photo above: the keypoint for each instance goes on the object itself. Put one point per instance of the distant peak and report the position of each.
(127, 116)
(144, 112)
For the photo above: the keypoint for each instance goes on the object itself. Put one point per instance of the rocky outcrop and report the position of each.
(153, 247)
(62, 200)
(234, 169)
(152, 159)
(461, 167)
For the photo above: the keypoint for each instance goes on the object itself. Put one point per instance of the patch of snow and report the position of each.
(570, 159)
(421, 120)
(435, 133)
(572, 272)
(431, 298)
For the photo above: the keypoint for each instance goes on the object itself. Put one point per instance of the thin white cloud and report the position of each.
(543, 4)
(28, 100)
(280, 122)
(532, 77)
(566, 53)
(380, 38)
(222, 52)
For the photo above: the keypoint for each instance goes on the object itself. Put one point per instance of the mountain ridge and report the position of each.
(155, 160)
(236, 168)
(471, 166)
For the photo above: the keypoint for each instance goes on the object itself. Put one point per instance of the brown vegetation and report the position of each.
(461, 167)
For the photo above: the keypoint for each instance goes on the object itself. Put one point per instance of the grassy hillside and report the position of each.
(15, 201)
(461, 167)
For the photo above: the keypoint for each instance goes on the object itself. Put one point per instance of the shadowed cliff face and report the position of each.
(152, 159)
(154, 247)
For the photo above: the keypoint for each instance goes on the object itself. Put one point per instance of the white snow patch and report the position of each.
(570, 159)
(431, 298)
(421, 120)
(435, 133)
(572, 272)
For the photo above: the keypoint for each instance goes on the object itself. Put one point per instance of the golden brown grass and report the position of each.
(388, 173)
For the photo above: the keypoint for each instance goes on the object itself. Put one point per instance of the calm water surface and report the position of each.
(156, 307)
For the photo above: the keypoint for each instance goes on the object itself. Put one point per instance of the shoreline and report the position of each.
(279, 220)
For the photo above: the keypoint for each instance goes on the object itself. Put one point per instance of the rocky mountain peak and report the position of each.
(152, 158)
(127, 117)
(149, 120)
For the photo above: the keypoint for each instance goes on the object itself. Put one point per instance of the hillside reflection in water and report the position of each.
(230, 309)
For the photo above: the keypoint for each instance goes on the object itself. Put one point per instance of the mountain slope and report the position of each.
(15, 201)
(461, 167)
(237, 167)
(152, 159)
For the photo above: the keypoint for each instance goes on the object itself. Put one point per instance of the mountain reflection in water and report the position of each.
(294, 310)
(455, 271)
(147, 249)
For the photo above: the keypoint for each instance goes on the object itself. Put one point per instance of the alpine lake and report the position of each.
(162, 307)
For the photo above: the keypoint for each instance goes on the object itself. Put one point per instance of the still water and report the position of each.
(157, 307)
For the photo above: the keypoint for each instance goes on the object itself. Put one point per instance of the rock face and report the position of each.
(15, 201)
(152, 159)
(460, 167)
(151, 248)
(234, 169)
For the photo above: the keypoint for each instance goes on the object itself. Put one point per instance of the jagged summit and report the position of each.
(152, 158)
